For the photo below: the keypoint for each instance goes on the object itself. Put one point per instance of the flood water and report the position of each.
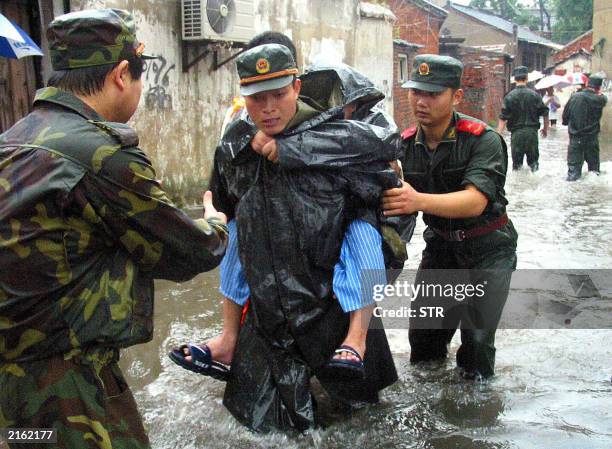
(553, 388)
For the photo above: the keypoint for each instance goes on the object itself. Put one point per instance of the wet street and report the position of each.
(552, 388)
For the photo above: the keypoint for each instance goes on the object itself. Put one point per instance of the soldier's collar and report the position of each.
(450, 135)
(67, 100)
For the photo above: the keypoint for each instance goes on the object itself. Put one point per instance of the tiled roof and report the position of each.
(524, 34)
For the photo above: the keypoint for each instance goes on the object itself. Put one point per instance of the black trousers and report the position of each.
(456, 264)
(524, 143)
(582, 149)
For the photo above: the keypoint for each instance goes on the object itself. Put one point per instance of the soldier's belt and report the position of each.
(459, 235)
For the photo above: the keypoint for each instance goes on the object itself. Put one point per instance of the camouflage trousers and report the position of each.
(88, 404)
(582, 149)
(524, 143)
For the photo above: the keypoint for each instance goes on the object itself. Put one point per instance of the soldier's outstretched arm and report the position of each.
(135, 211)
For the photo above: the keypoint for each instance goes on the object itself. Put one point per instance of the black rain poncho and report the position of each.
(291, 224)
(327, 86)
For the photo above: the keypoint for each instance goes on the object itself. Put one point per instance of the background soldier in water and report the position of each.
(522, 109)
(84, 229)
(582, 115)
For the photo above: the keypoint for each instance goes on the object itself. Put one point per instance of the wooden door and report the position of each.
(19, 78)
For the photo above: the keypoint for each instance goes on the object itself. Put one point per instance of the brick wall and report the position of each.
(416, 24)
(585, 41)
(484, 83)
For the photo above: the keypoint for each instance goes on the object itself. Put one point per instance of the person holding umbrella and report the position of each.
(553, 103)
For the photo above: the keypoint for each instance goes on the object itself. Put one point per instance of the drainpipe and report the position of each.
(515, 41)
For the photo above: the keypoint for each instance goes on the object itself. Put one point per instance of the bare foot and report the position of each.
(221, 349)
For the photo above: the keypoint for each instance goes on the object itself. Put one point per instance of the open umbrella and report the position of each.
(577, 78)
(8, 30)
(532, 76)
(552, 81)
(14, 42)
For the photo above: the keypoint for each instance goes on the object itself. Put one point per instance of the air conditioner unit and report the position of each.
(218, 20)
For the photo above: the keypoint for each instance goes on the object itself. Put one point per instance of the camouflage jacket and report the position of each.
(84, 229)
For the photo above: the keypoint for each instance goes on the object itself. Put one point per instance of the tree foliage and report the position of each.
(574, 17)
(515, 11)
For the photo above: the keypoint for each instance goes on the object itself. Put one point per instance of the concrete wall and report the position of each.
(374, 48)
(475, 32)
(181, 113)
(602, 59)
(567, 66)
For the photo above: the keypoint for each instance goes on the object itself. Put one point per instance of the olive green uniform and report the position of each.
(522, 109)
(84, 229)
(469, 154)
(582, 115)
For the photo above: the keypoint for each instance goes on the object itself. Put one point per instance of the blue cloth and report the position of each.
(233, 282)
(361, 266)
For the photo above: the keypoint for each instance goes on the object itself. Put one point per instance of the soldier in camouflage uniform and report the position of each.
(84, 229)
(582, 114)
(522, 109)
(454, 171)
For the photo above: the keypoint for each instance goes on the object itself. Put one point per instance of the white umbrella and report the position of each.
(553, 81)
(8, 30)
(532, 76)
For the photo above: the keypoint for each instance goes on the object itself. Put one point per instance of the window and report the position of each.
(402, 68)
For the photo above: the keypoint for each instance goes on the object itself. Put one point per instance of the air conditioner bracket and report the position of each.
(217, 65)
(208, 48)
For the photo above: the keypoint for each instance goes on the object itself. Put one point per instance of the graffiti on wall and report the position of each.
(157, 77)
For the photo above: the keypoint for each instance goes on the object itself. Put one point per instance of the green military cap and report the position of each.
(521, 71)
(93, 37)
(596, 81)
(435, 73)
(266, 67)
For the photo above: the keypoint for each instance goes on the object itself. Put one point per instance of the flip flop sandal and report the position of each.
(201, 361)
(342, 369)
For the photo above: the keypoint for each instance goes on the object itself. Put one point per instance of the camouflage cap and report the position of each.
(93, 37)
(266, 67)
(521, 71)
(435, 73)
